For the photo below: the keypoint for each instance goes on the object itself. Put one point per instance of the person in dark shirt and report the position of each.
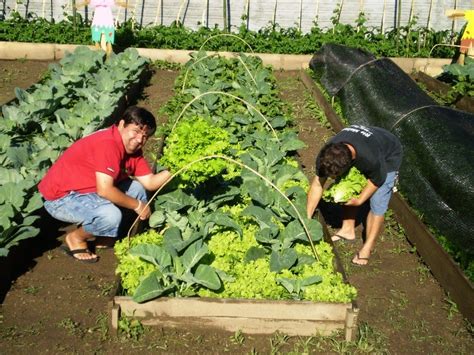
(377, 154)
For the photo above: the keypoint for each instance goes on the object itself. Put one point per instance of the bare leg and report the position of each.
(374, 227)
(77, 239)
(103, 43)
(108, 51)
(347, 230)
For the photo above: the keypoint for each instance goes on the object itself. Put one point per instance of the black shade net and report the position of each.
(437, 172)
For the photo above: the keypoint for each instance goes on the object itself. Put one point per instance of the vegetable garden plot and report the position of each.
(232, 224)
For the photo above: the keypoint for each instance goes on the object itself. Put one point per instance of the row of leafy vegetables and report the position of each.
(232, 222)
(75, 99)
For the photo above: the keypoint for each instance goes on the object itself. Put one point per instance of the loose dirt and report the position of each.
(52, 303)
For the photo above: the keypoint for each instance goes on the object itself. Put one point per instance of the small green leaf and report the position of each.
(207, 276)
(150, 288)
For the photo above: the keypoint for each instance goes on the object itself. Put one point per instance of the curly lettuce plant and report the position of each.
(192, 140)
(346, 187)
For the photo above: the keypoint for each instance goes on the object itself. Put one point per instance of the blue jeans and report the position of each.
(380, 199)
(98, 216)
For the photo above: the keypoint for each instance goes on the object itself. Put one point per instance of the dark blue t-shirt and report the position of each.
(378, 151)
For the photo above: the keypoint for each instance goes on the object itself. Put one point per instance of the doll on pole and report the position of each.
(467, 38)
(103, 26)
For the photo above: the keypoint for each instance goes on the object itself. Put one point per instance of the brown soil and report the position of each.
(19, 73)
(55, 304)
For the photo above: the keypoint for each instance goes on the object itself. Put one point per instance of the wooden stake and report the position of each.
(301, 12)
(178, 16)
(275, 12)
(158, 12)
(411, 11)
(204, 13)
(317, 12)
(340, 12)
(429, 15)
(382, 25)
(247, 12)
(453, 26)
(224, 13)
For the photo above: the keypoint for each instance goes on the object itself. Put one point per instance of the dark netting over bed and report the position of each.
(437, 173)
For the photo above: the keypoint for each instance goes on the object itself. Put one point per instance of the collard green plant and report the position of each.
(460, 77)
(176, 273)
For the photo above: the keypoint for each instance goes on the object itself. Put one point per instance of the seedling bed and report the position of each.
(441, 264)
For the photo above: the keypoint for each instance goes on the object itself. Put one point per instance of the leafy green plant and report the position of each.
(345, 187)
(177, 271)
(130, 328)
(461, 78)
(190, 140)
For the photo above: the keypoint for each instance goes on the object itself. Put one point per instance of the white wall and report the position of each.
(261, 12)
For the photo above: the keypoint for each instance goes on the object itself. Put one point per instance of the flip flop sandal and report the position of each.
(340, 237)
(72, 254)
(360, 258)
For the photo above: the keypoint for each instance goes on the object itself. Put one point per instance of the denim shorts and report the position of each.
(380, 199)
(98, 216)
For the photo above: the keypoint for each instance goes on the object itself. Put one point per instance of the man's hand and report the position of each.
(314, 195)
(143, 210)
(354, 202)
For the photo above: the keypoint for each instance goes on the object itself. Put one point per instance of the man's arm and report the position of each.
(365, 194)
(153, 182)
(314, 195)
(107, 190)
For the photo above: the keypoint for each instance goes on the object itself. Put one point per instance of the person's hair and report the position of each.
(334, 160)
(140, 116)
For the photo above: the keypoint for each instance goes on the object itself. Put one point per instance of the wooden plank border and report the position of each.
(302, 318)
(441, 264)
(54, 51)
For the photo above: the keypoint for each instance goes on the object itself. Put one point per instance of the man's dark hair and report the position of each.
(334, 160)
(140, 116)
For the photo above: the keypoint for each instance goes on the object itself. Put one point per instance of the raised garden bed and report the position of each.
(301, 318)
(466, 103)
(233, 212)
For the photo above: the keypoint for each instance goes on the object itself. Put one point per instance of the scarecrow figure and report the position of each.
(103, 27)
(467, 38)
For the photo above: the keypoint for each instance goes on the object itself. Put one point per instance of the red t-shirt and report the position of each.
(102, 151)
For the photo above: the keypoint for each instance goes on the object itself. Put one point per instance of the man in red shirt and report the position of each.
(90, 181)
